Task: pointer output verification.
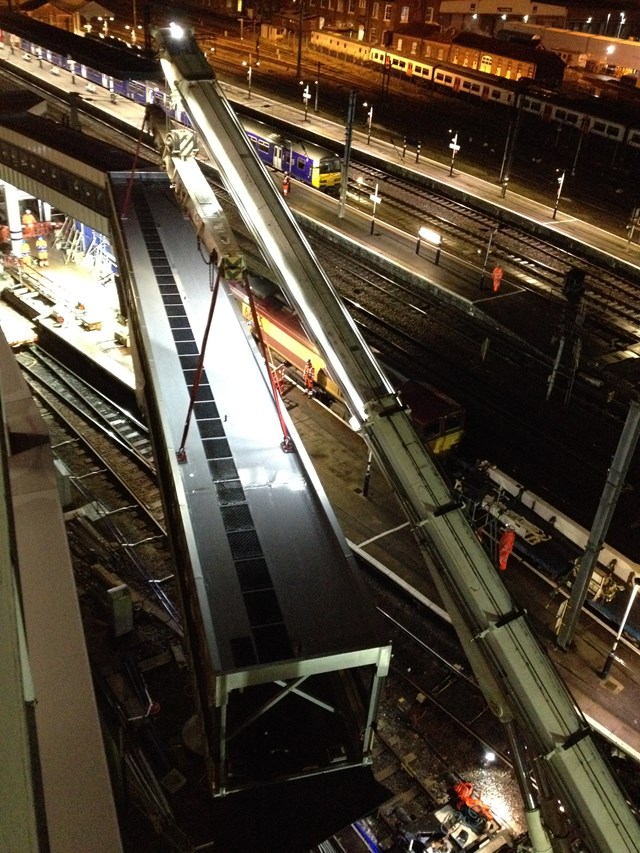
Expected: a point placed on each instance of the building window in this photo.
(428, 18)
(362, 4)
(404, 15)
(373, 35)
(387, 12)
(414, 48)
(352, 7)
(399, 45)
(375, 11)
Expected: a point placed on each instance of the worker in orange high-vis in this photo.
(505, 547)
(28, 222)
(308, 377)
(497, 278)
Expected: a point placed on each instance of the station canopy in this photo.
(118, 62)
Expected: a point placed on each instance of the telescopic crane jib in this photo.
(518, 679)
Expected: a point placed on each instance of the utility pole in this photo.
(604, 514)
(300, 25)
(351, 113)
(512, 137)
(559, 193)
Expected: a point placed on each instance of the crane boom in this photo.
(517, 677)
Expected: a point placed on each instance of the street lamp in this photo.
(431, 237)
(249, 68)
(369, 120)
(560, 185)
(453, 145)
(612, 654)
(316, 83)
(105, 24)
(306, 97)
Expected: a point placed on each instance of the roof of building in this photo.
(123, 64)
(513, 50)
(99, 154)
(423, 31)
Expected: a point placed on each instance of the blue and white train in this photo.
(304, 161)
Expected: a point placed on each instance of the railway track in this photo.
(112, 537)
(44, 370)
(501, 382)
(105, 442)
(613, 306)
(117, 543)
(612, 301)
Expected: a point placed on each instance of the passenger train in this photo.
(616, 123)
(304, 161)
(438, 419)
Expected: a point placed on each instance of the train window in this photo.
(561, 114)
(301, 163)
(466, 85)
(495, 94)
(634, 137)
(263, 146)
(572, 118)
(599, 126)
(612, 130)
(475, 88)
(439, 76)
(329, 165)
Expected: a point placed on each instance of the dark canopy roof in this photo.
(114, 61)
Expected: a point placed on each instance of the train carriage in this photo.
(438, 419)
(304, 161)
